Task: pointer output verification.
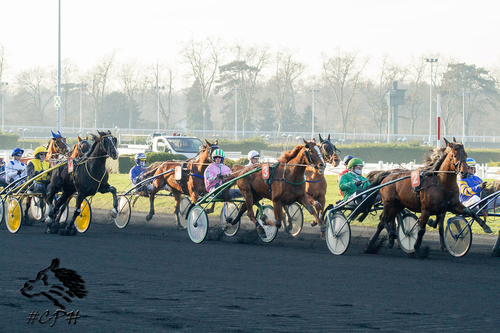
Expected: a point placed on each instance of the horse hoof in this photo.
(390, 244)
(149, 217)
(278, 224)
(323, 235)
(313, 224)
(180, 227)
(114, 213)
(495, 252)
(262, 233)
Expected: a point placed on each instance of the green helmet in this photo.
(353, 162)
(218, 153)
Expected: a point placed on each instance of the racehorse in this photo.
(57, 147)
(287, 184)
(192, 182)
(438, 193)
(88, 177)
(316, 184)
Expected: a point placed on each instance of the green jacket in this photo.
(347, 186)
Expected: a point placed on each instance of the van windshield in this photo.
(185, 145)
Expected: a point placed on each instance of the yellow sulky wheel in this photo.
(14, 215)
(82, 222)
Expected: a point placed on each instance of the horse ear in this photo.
(79, 139)
(314, 139)
(53, 134)
(217, 142)
(454, 140)
(54, 264)
(320, 138)
(305, 142)
(208, 143)
(446, 141)
(59, 133)
(328, 137)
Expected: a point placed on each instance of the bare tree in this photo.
(416, 90)
(343, 73)
(3, 62)
(131, 76)
(203, 58)
(375, 91)
(69, 75)
(164, 75)
(97, 79)
(36, 90)
(286, 72)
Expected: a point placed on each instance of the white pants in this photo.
(492, 205)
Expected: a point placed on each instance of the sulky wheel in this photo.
(197, 224)
(82, 222)
(37, 207)
(338, 235)
(294, 219)
(2, 209)
(407, 231)
(124, 212)
(229, 211)
(271, 231)
(14, 215)
(183, 208)
(457, 236)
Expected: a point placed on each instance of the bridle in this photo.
(310, 161)
(457, 164)
(328, 148)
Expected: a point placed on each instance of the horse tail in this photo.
(375, 178)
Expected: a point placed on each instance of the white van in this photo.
(182, 145)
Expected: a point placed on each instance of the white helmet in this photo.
(252, 154)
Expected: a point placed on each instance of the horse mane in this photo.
(290, 155)
(433, 161)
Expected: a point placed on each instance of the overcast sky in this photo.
(151, 29)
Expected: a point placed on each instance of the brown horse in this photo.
(57, 147)
(438, 194)
(192, 183)
(316, 184)
(82, 146)
(287, 185)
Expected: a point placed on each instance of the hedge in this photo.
(8, 140)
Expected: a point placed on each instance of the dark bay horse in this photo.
(316, 184)
(89, 176)
(438, 194)
(192, 182)
(287, 185)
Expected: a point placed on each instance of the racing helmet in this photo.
(38, 150)
(139, 157)
(17, 152)
(353, 162)
(471, 163)
(218, 153)
(347, 159)
(253, 154)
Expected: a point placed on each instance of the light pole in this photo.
(22, 130)
(312, 120)
(431, 60)
(3, 114)
(59, 71)
(389, 93)
(158, 90)
(236, 112)
(81, 86)
(463, 113)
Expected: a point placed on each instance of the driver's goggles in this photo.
(143, 160)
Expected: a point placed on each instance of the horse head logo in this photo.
(57, 284)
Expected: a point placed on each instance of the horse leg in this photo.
(316, 205)
(371, 248)
(27, 219)
(152, 202)
(440, 221)
(51, 222)
(496, 248)
(68, 229)
(306, 203)
(241, 211)
(424, 217)
(178, 198)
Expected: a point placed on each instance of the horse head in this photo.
(107, 143)
(314, 156)
(458, 157)
(209, 149)
(61, 145)
(329, 151)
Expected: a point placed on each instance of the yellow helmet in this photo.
(39, 150)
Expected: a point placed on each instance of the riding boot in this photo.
(496, 248)
(470, 212)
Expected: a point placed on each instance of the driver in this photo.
(253, 157)
(214, 174)
(36, 166)
(470, 187)
(352, 182)
(15, 169)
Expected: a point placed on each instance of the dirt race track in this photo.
(149, 277)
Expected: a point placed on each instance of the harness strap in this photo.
(315, 181)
